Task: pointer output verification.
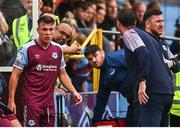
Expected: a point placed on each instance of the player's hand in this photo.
(142, 96)
(75, 47)
(77, 97)
(12, 106)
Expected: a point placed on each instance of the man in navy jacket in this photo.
(113, 77)
(153, 86)
(155, 26)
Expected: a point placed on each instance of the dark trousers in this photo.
(132, 116)
(102, 100)
(174, 120)
(155, 112)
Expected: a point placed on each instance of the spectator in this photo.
(100, 15)
(11, 9)
(22, 26)
(62, 35)
(90, 12)
(153, 5)
(175, 46)
(40, 76)
(3, 24)
(110, 19)
(126, 5)
(63, 7)
(79, 68)
(79, 14)
(49, 7)
(139, 9)
(101, 4)
(70, 19)
(153, 85)
(7, 49)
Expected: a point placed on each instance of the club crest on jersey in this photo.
(31, 123)
(55, 55)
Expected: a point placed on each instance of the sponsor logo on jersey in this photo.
(42, 67)
(39, 67)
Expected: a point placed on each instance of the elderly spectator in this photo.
(139, 9)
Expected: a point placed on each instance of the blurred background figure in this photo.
(22, 26)
(110, 19)
(175, 46)
(101, 3)
(79, 14)
(3, 24)
(90, 11)
(62, 35)
(109, 22)
(100, 16)
(70, 19)
(139, 9)
(7, 48)
(153, 5)
(126, 5)
(11, 10)
(79, 69)
(49, 6)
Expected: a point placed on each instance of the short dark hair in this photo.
(151, 12)
(126, 17)
(91, 49)
(46, 19)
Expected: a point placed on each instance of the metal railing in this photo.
(164, 37)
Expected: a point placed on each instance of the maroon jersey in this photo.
(41, 68)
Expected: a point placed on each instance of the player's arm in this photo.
(12, 88)
(66, 81)
(18, 66)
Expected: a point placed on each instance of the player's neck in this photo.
(44, 45)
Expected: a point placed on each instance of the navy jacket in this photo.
(113, 77)
(146, 62)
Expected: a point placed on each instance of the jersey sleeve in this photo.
(62, 63)
(132, 40)
(21, 59)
